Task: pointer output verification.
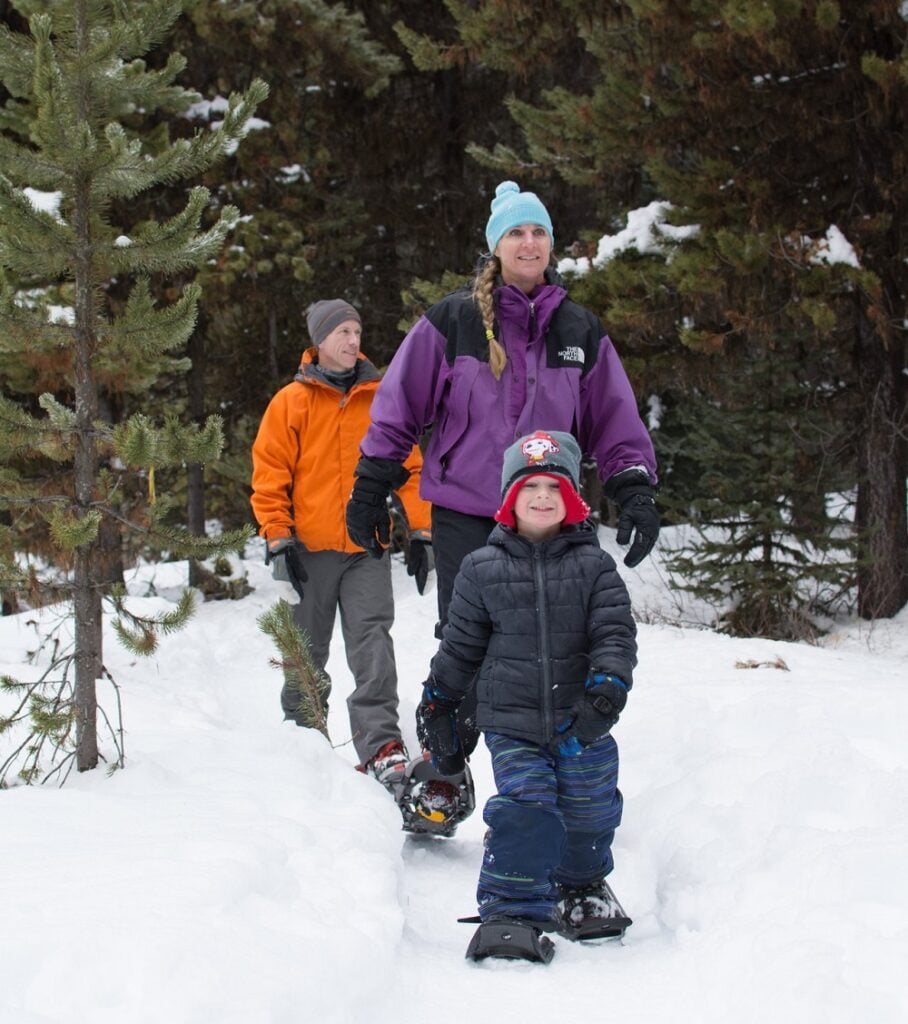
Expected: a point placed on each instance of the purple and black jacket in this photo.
(563, 373)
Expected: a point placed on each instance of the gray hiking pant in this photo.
(359, 586)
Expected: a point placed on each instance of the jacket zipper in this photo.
(548, 716)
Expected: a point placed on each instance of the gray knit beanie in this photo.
(552, 452)
(545, 451)
(323, 316)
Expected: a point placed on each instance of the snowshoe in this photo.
(511, 939)
(432, 803)
(592, 912)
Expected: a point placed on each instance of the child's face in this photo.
(539, 508)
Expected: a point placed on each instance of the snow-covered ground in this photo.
(239, 871)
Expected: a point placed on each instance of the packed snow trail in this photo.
(240, 870)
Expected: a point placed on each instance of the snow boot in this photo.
(432, 803)
(511, 938)
(388, 765)
(592, 912)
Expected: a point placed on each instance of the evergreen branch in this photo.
(17, 61)
(139, 633)
(141, 335)
(31, 238)
(73, 528)
(139, 30)
(153, 90)
(24, 324)
(177, 244)
(300, 671)
(58, 127)
(25, 167)
(24, 434)
(138, 443)
(132, 171)
(182, 543)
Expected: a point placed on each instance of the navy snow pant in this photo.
(551, 823)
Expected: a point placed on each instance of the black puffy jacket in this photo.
(533, 618)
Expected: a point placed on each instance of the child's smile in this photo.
(539, 507)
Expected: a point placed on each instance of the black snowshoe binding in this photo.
(511, 938)
(592, 912)
(432, 803)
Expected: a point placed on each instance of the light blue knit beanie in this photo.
(510, 208)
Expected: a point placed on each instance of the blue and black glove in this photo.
(436, 727)
(635, 497)
(420, 558)
(592, 717)
(285, 556)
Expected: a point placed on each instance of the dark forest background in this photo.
(773, 377)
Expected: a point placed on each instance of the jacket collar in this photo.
(310, 372)
(571, 536)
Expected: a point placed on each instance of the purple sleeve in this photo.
(610, 427)
(406, 400)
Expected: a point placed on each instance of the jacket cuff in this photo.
(386, 471)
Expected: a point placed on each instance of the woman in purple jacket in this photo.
(485, 366)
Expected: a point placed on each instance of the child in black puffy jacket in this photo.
(543, 615)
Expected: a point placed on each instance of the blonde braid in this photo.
(483, 296)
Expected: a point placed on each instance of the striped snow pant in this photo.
(551, 823)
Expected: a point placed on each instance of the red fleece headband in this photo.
(576, 509)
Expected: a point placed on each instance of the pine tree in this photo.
(69, 154)
(778, 130)
(772, 554)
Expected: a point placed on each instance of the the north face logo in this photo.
(571, 354)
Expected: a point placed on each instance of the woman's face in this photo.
(524, 254)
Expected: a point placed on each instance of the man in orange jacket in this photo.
(303, 460)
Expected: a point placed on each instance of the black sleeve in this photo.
(466, 636)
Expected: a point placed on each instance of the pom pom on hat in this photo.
(511, 208)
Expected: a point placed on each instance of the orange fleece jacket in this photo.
(304, 455)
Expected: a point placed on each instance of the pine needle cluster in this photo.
(300, 671)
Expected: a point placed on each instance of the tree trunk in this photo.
(880, 519)
(271, 356)
(195, 471)
(86, 588)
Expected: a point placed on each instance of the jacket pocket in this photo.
(456, 415)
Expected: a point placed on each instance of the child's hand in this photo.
(592, 717)
(436, 727)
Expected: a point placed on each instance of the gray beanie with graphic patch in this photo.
(552, 452)
(544, 451)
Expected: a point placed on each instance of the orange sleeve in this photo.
(274, 457)
(419, 512)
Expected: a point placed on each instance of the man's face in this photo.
(339, 351)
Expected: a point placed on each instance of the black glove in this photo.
(436, 728)
(368, 519)
(285, 556)
(592, 717)
(636, 499)
(420, 559)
